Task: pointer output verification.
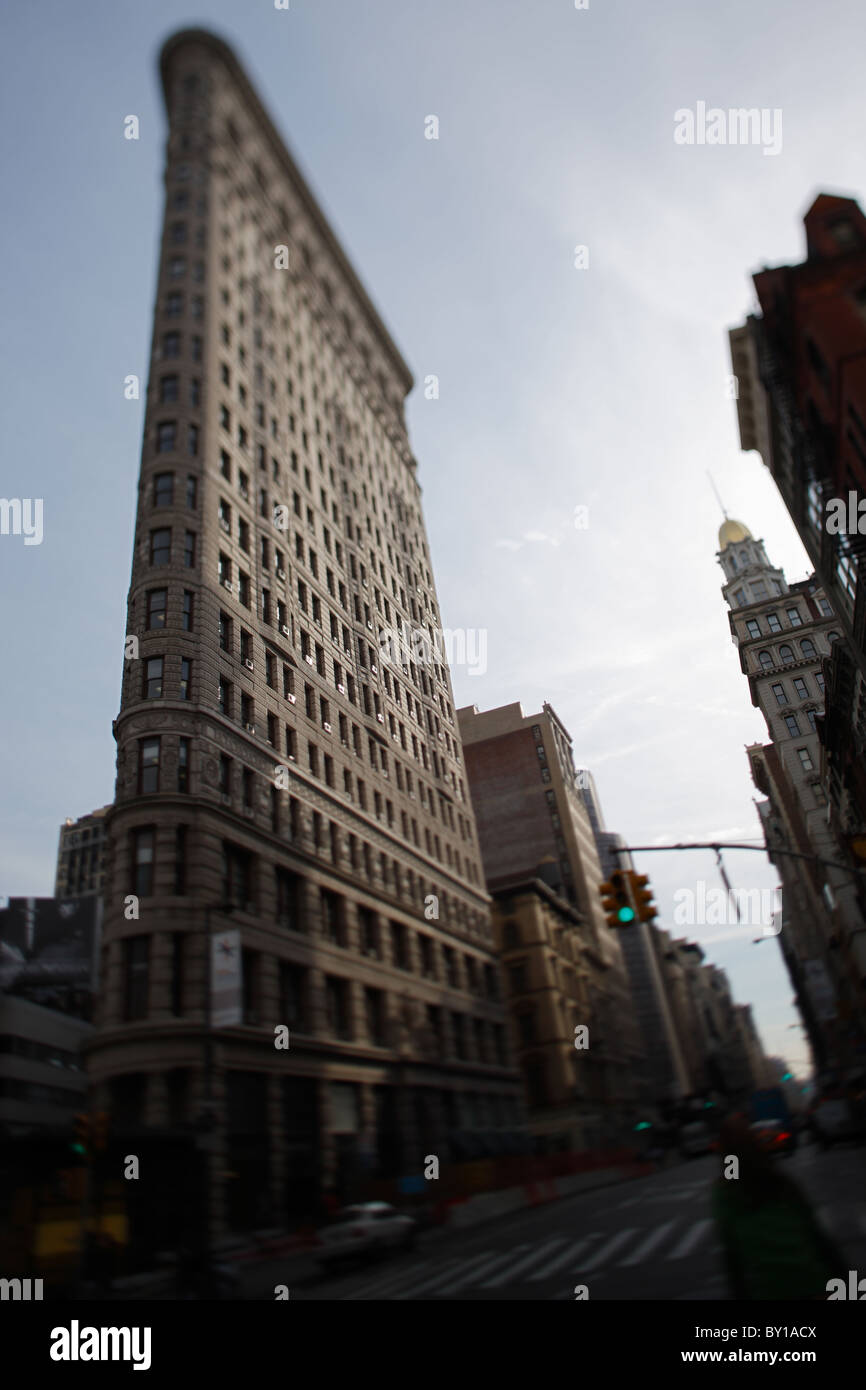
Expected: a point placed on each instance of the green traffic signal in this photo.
(78, 1148)
(625, 914)
(644, 1124)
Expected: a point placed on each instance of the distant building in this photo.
(801, 402)
(757, 1062)
(81, 856)
(42, 1074)
(784, 633)
(721, 1048)
(533, 824)
(663, 1063)
(538, 935)
(49, 952)
(48, 972)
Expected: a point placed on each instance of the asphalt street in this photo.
(650, 1238)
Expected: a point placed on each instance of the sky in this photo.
(593, 379)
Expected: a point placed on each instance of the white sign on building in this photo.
(226, 979)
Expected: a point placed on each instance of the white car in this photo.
(366, 1229)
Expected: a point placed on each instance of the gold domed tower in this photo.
(749, 576)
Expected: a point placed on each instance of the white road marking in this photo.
(511, 1273)
(467, 1274)
(572, 1254)
(653, 1239)
(613, 1244)
(694, 1235)
(394, 1281)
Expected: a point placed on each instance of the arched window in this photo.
(787, 655)
(832, 637)
(733, 560)
(766, 660)
(807, 647)
(744, 557)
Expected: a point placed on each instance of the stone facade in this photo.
(272, 753)
(784, 634)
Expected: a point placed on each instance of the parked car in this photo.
(832, 1120)
(774, 1136)
(364, 1231)
(696, 1138)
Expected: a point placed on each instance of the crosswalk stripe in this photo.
(394, 1281)
(823, 1217)
(458, 1275)
(526, 1263)
(572, 1254)
(693, 1236)
(653, 1239)
(613, 1244)
(455, 1275)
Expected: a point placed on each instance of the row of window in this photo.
(175, 304)
(801, 687)
(166, 436)
(153, 687)
(343, 681)
(242, 874)
(35, 1051)
(786, 655)
(405, 515)
(311, 605)
(150, 781)
(296, 1005)
(756, 592)
(774, 623)
(34, 1093)
(345, 685)
(177, 232)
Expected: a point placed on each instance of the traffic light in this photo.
(642, 897)
(616, 900)
(81, 1141)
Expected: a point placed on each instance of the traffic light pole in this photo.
(84, 1223)
(760, 849)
